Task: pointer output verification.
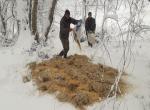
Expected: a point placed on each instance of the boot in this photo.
(90, 44)
(65, 55)
(61, 53)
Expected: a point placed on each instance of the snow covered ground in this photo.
(16, 95)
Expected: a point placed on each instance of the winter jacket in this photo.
(90, 24)
(65, 26)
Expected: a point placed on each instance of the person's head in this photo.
(90, 14)
(67, 14)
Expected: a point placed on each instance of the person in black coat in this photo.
(64, 32)
(90, 25)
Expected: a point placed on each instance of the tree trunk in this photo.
(3, 21)
(51, 14)
(34, 20)
(30, 11)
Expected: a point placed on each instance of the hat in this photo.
(67, 12)
(90, 13)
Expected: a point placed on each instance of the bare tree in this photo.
(9, 22)
(30, 10)
(51, 14)
(34, 20)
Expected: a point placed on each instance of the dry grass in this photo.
(75, 79)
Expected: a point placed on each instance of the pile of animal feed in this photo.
(76, 80)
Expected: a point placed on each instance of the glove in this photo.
(79, 22)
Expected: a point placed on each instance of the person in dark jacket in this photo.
(90, 26)
(64, 32)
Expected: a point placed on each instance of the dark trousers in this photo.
(65, 44)
(87, 39)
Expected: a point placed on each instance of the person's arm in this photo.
(86, 25)
(94, 25)
(73, 21)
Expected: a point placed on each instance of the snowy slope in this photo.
(16, 95)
